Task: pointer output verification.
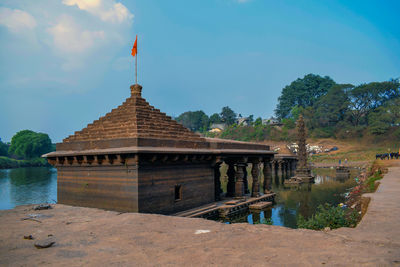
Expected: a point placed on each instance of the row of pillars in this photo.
(287, 167)
(237, 176)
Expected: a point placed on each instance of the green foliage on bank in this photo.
(3, 149)
(372, 179)
(258, 133)
(343, 110)
(25, 150)
(328, 216)
(330, 110)
(28, 144)
(9, 163)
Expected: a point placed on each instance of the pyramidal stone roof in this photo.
(134, 119)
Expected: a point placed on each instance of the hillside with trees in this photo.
(331, 110)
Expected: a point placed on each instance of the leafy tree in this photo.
(228, 115)
(194, 120)
(251, 119)
(258, 122)
(289, 123)
(303, 93)
(332, 107)
(215, 118)
(366, 97)
(383, 117)
(29, 144)
(3, 149)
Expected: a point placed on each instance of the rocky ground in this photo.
(93, 237)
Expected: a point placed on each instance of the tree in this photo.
(332, 107)
(228, 115)
(379, 121)
(29, 144)
(215, 118)
(251, 119)
(303, 93)
(3, 149)
(367, 97)
(258, 122)
(194, 120)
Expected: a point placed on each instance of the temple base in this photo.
(302, 176)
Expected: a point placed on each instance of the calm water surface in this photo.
(27, 186)
(304, 199)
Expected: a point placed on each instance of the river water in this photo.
(39, 185)
(27, 186)
(303, 199)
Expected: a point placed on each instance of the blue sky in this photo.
(64, 63)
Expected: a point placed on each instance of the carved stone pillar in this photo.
(217, 181)
(286, 169)
(230, 188)
(276, 167)
(245, 181)
(255, 190)
(239, 186)
(291, 165)
(267, 171)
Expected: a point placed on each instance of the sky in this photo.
(65, 63)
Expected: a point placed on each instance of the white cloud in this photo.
(16, 20)
(106, 10)
(69, 37)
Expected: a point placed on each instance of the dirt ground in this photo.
(94, 237)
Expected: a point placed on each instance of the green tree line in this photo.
(25, 150)
(330, 109)
(342, 110)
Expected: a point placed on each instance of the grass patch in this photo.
(370, 183)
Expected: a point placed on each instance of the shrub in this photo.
(328, 216)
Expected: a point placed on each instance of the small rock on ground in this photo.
(45, 243)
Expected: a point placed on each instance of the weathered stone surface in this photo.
(303, 171)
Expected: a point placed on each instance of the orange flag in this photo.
(134, 48)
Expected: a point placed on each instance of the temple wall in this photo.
(157, 187)
(105, 187)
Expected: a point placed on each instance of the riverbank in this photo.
(86, 236)
(9, 163)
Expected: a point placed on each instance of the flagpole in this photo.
(136, 67)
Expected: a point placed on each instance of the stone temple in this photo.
(138, 159)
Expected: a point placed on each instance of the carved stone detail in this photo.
(231, 180)
(267, 171)
(255, 172)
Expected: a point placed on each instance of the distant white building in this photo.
(244, 121)
(217, 127)
(272, 121)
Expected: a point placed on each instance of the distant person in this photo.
(340, 162)
(345, 161)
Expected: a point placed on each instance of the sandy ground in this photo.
(93, 237)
